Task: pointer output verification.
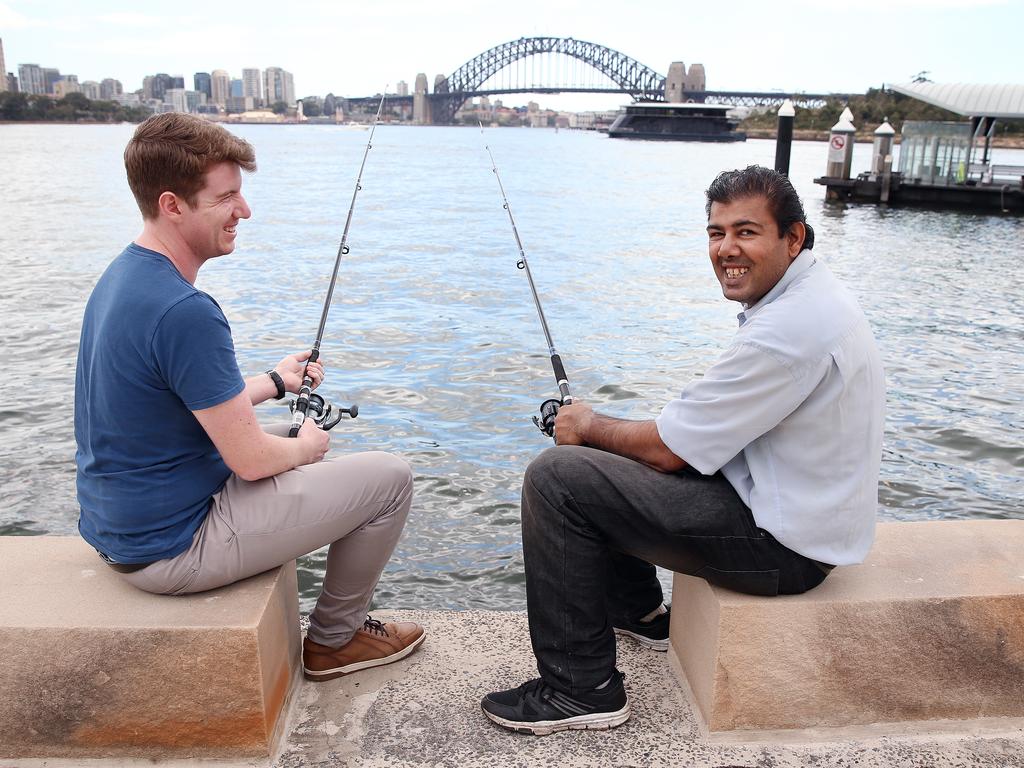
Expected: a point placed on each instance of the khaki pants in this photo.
(357, 504)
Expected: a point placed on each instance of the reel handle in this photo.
(546, 421)
(328, 421)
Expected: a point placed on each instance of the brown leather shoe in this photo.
(372, 645)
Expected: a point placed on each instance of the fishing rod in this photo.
(307, 400)
(549, 408)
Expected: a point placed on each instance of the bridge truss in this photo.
(766, 98)
(627, 75)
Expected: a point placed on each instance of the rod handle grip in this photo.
(559, 369)
(561, 379)
(301, 406)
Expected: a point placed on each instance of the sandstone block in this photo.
(929, 628)
(91, 667)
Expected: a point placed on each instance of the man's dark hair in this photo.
(757, 181)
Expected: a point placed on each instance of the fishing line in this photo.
(549, 408)
(306, 400)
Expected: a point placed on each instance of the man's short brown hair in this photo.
(172, 151)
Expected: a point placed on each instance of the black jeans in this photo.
(594, 526)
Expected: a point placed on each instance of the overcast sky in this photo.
(356, 49)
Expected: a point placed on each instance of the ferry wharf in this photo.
(942, 164)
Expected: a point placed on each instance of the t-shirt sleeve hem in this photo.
(223, 397)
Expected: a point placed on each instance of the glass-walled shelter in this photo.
(935, 152)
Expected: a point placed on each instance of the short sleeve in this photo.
(193, 348)
(742, 396)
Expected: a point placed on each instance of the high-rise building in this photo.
(235, 91)
(177, 81)
(91, 90)
(128, 99)
(220, 87)
(163, 82)
(65, 85)
(202, 83)
(50, 76)
(155, 86)
(271, 84)
(403, 88)
(3, 69)
(278, 85)
(31, 79)
(110, 88)
(182, 100)
(238, 104)
(176, 98)
(289, 88)
(252, 85)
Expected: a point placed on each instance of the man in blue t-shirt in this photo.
(180, 489)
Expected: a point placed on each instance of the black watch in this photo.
(278, 382)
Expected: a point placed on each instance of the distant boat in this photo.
(355, 125)
(677, 122)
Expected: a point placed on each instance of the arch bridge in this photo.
(567, 65)
(545, 65)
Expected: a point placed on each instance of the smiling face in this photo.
(746, 251)
(208, 225)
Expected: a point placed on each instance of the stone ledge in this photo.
(424, 712)
(93, 668)
(930, 629)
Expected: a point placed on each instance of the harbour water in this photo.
(433, 331)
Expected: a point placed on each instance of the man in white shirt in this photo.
(760, 477)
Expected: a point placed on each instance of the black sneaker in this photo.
(535, 707)
(651, 634)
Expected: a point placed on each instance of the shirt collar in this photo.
(804, 261)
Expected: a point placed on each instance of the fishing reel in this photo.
(323, 413)
(546, 421)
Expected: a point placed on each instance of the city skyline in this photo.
(357, 51)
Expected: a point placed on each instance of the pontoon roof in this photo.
(1002, 100)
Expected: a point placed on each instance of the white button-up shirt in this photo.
(792, 414)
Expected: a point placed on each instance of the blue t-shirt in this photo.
(153, 349)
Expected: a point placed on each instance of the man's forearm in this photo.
(271, 456)
(249, 451)
(637, 440)
(260, 388)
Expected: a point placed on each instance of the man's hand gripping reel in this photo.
(549, 408)
(311, 405)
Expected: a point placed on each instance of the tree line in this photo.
(73, 108)
(869, 111)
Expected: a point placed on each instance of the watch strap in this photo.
(278, 382)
